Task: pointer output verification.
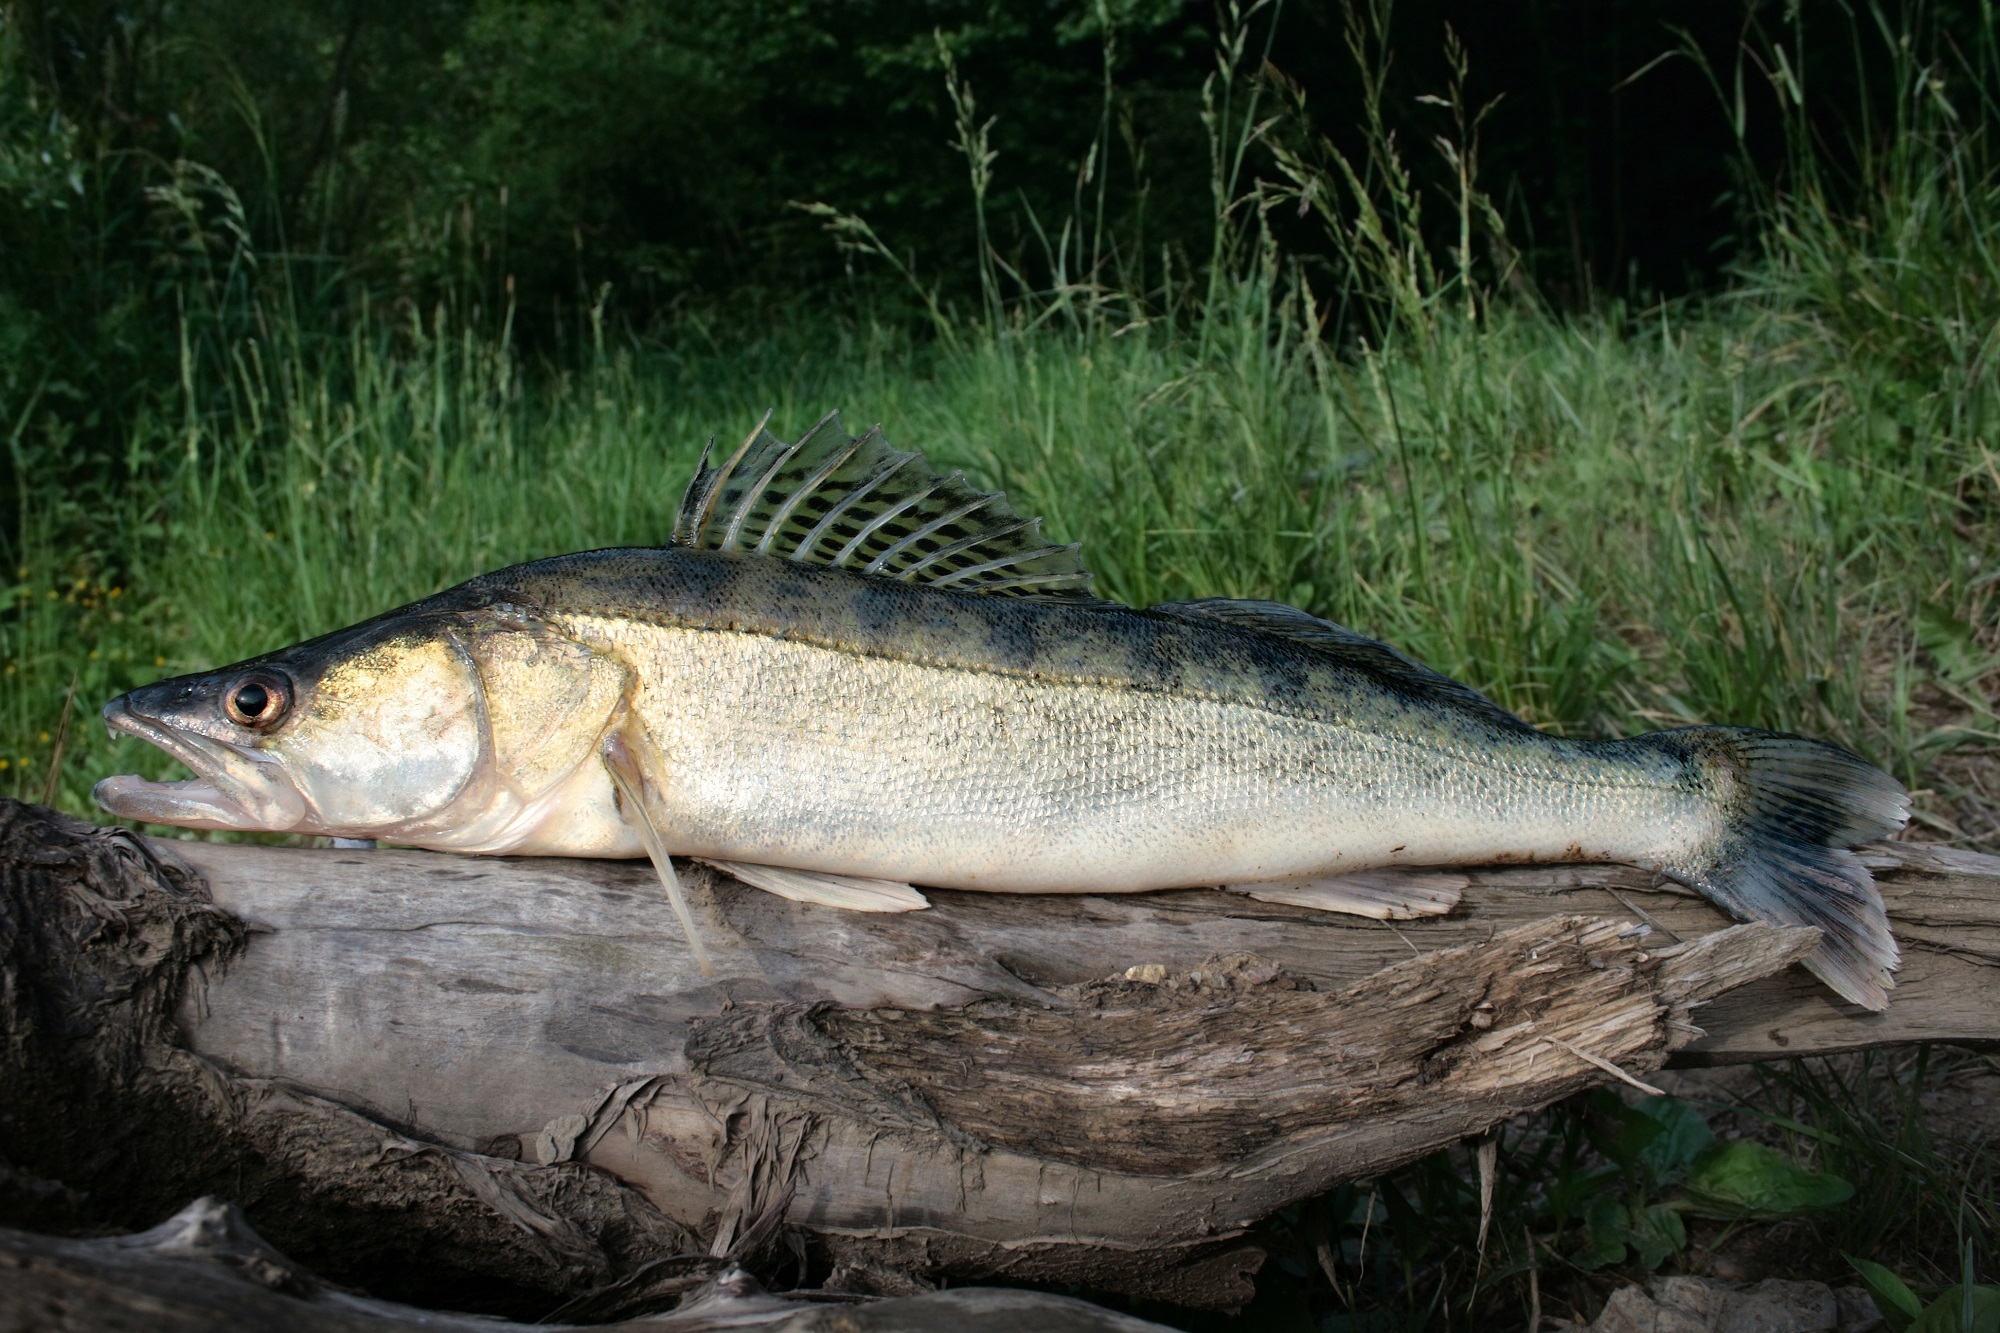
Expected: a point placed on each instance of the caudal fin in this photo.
(1795, 809)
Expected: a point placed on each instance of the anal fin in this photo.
(636, 797)
(1390, 894)
(849, 892)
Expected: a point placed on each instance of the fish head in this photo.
(361, 733)
(442, 729)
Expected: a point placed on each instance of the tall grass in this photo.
(1778, 507)
(1611, 524)
(1762, 509)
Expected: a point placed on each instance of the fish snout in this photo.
(232, 787)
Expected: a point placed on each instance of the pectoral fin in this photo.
(637, 799)
(1386, 895)
(849, 892)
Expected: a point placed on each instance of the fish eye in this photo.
(257, 701)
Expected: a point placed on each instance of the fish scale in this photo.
(849, 675)
(826, 740)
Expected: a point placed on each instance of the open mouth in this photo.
(232, 788)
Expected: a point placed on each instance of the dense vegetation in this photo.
(305, 313)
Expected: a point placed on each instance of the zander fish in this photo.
(848, 675)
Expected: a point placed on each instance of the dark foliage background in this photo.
(532, 161)
(181, 178)
(549, 152)
(310, 307)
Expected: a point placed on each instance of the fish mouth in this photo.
(232, 788)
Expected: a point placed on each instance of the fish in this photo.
(847, 675)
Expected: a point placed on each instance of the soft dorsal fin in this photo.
(1342, 644)
(855, 503)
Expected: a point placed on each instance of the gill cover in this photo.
(388, 737)
(549, 700)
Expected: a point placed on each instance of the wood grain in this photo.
(206, 1269)
(975, 1088)
(1111, 1091)
(411, 982)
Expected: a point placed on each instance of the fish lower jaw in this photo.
(231, 789)
(191, 803)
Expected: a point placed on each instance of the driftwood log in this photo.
(206, 1269)
(504, 1086)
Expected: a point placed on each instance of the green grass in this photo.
(1778, 506)
(1611, 523)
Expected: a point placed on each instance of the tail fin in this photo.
(1795, 807)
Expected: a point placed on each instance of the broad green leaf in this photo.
(1650, 1233)
(1604, 1232)
(1618, 1131)
(1747, 1179)
(1946, 1314)
(1682, 1137)
(1898, 1304)
(1573, 1190)
(1655, 1233)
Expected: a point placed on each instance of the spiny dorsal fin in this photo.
(855, 503)
(1342, 644)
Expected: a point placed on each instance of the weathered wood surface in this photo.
(206, 1269)
(975, 1089)
(413, 981)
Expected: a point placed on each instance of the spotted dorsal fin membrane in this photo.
(1342, 645)
(853, 502)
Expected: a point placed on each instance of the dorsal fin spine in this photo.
(889, 515)
(800, 492)
(749, 501)
(987, 567)
(721, 478)
(949, 517)
(685, 530)
(882, 473)
(1080, 578)
(884, 513)
(966, 543)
